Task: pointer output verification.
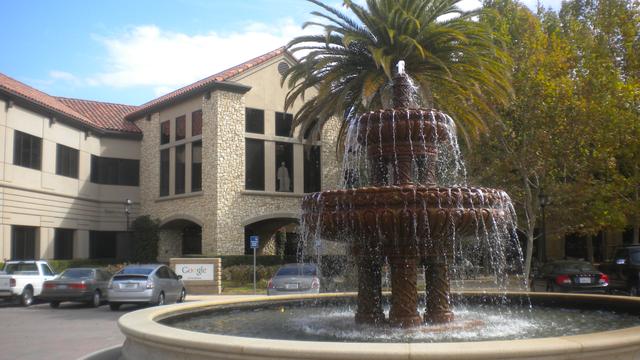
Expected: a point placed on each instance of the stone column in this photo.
(404, 291)
(369, 290)
(81, 244)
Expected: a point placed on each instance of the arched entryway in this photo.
(278, 234)
(180, 236)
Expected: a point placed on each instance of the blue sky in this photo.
(133, 51)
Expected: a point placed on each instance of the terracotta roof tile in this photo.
(106, 116)
(26, 92)
(219, 77)
(103, 116)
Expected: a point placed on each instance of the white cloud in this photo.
(57, 75)
(165, 60)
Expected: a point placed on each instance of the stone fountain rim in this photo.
(145, 334)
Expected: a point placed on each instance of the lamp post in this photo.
(543, 200)
(127, 210)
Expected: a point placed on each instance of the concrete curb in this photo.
(110, 353)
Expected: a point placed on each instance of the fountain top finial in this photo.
(401, 88)
(400, 66)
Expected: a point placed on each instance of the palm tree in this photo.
(456, 61)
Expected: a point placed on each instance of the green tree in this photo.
(145, 239)
(457, 62)
(572, 127)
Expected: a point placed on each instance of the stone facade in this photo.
(223, 208)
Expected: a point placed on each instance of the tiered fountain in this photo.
(400, 206)
(404, 216)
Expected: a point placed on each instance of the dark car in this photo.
(569, 276)
(87, 285)
(624, 270)
(295, 279)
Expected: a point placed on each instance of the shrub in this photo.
(145, 239)
(60, 265)
(242, 274)
(264, 260)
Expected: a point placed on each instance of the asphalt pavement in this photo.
(70, 332)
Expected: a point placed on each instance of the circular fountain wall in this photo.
(149, 336)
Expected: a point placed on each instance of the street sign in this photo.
(254, 240)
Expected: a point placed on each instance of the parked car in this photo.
(23, 279)
(153, 284)
(569, 276)
(87, 285)
(624, 270)
(295, 279)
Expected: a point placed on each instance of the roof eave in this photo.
(229, 86)
(29, 104)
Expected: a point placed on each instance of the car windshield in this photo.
(76, 274)
(575, 267)
(635, 256)
(21, 268)
(304, 270)
(135, 271)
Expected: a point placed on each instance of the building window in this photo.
(283, 124)
(23, 243)
(180, 169)
(192, 240)
(181, 127)
(114, 171)
(196, 123)
(284, 167)
(254, 161)
(173, 157)
(312, 174)
(63, 244)
(67, 161)
(164, 172)
(165, 132)
(254, 121)
(27, 150)
(103, 244)
(196, 166)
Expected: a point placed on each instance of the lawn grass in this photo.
(232, 288)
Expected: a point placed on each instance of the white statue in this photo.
(284, 182)
(400, 67)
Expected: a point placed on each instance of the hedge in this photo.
(263, 260)
(60, 265)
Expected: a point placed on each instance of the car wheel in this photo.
(54, 304)
(633, 290)
(96, 300)
(183, 295)
(160, 301)
(114, 306)
(26, 299)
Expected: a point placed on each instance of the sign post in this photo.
(254, 240)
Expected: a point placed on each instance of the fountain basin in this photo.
(147, 338)
(402, 213)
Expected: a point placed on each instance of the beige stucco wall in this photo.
(224, 207)
(42, 199)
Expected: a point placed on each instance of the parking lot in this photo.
(73, 330)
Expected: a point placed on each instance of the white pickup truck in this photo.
(24, 279)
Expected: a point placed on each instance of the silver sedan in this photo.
(295, 279)
(153, 284)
